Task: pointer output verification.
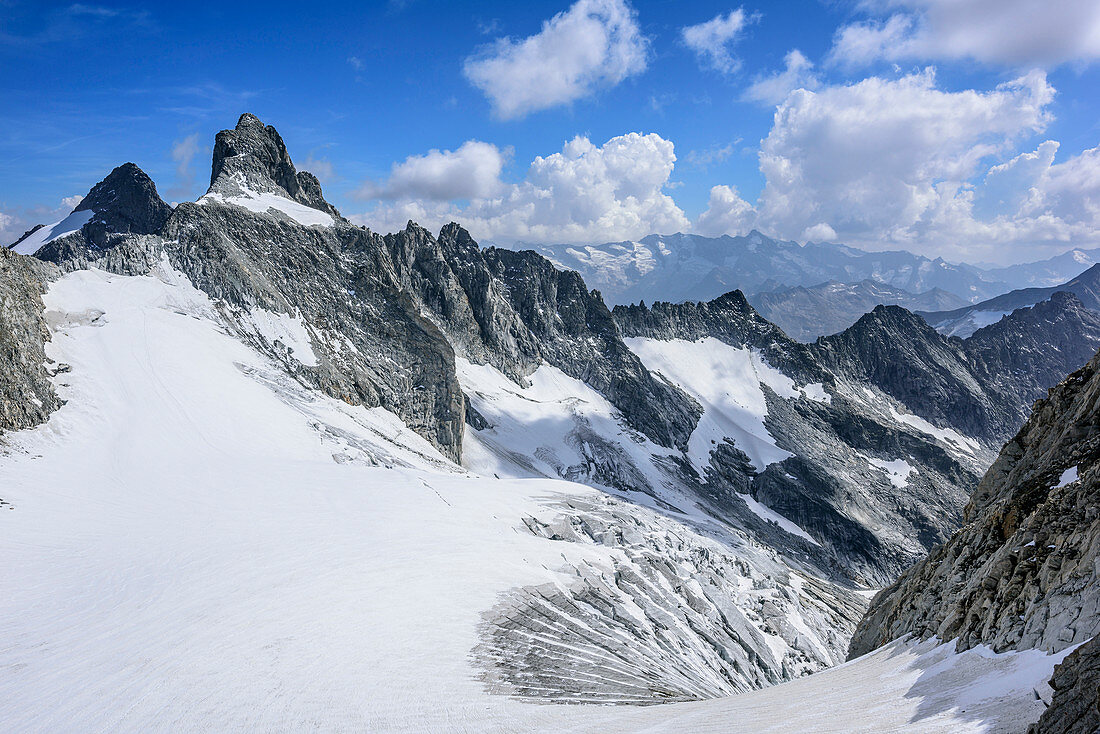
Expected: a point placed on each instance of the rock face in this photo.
(730, 318)
(1022, 572)
(384, 315)
(830, 485)
(26, 395)
(1075, 708)
(1031, 349)
(807, 312)
(126, 202)
(897, 351)
(514, 310)
(982, 386)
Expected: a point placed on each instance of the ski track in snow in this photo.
(195, 542)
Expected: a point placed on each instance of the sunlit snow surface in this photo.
(897, 470)
(262, 202)
(196, 542)
(33, 243)
(727, 382)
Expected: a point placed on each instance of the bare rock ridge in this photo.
(910, 361)
(124, 203)
(1022, 571)
(830, 486)
(965, 320)
(982, 386)
(405, 301)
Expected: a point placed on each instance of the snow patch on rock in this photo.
(898, 470)
(262, 202)
(727, 382)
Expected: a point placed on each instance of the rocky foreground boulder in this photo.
(1075, 708)
(1022, 573)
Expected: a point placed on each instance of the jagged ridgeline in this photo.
(853, 455)
(384, 310)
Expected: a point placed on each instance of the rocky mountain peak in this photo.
(252, 157)
(125, 202)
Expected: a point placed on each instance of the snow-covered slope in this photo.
(50, 232)
(196, 541)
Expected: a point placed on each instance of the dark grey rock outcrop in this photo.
(26, 395)
(1032, 349)
(1022, 572)
(933, 375)
(729, 318)
(405, 302)
(253, 155)
(1075, 707)
(124, 203)
(871, 528)
(962, 321)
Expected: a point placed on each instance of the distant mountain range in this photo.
(680, 267)
(809, 290)
(1053, 271)
(806, 313)
(968, 319)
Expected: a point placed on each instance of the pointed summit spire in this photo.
(253, 158)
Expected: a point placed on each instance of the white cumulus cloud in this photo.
(726, 213)
(472, 171)
(585, 193)
(1017, 33)
(872, 160)
(713, 40)
(773, 89)
(593, 44)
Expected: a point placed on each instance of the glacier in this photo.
(196, 540)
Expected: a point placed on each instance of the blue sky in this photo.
(963, 129)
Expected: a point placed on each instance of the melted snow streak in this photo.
(670, 618)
